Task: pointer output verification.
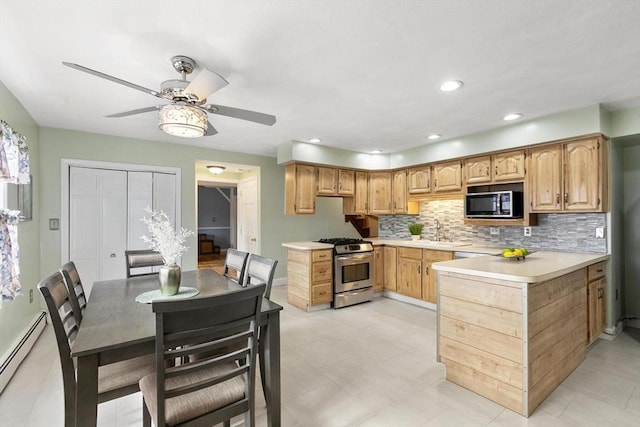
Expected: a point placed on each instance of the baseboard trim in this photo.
(12, 359)
(409, 300)
(279, 281)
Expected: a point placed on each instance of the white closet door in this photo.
(248, 215)
(98, 223)
(164, 194)
(140, 198)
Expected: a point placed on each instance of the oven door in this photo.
(353, 271)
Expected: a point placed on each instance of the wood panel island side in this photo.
(510, 330)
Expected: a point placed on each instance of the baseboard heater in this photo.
(16, 354)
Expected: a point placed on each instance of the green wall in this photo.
(16, 314)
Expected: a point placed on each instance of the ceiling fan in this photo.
(186, 113)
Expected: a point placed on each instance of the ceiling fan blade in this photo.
(238, 113)
(210, 130)
(138, 111)
(113, 79)
(206, 83)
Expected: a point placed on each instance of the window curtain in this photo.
(14, 168)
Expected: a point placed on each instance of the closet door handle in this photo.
(112, 255)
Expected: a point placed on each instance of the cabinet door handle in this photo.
(435, 182)
(488, 171)
(557, 198)
(566, 197)
(496, 170)
(419, 268)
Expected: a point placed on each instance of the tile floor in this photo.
(367, 365)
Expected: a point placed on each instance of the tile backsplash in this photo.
(571, 232)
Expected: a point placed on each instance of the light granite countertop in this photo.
(537, 267)
(420, 244)
(307, 246)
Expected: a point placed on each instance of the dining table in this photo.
(115, 327)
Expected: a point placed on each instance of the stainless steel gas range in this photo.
(352, 271)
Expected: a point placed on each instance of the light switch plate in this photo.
(527, 231)
(599, 232)
(495, 231)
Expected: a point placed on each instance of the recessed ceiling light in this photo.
(434, 136)
(512, 116)
(451, 85)
(376, 151)
(315, 140)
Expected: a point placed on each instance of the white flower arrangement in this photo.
(164, 238)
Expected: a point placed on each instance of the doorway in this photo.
(228, 211)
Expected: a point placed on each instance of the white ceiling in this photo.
(359, 75)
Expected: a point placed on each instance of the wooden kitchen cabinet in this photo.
(346, 182)
(478, 169)
(569, 177)
(300, 189)
(509, 166)
(419, 180)
(409, 272)
(447, 176)
(390, 267)
(596, 289)
(327, 181)
(399, 192)
(378, 266)
(429, 282)
(380, 193)
(309, 277)
(361, 198)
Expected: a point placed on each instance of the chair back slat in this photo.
(236, 260)
(260, 270)
(192, 328)
(75, 289)
(141, 259)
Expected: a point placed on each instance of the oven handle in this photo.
(355, 257)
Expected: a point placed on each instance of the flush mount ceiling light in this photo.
(451, 85)
(512, 116)
(184, 121)
(216, 169)
(434, 136)
(376, 151)
(315, 140)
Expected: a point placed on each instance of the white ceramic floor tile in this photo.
(557, 401)
(538, 419)
(587, 412)
(600, 386)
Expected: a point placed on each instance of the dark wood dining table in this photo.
(115, 327)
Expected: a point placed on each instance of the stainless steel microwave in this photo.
(495, 204)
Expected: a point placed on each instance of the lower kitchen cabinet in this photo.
(429, 287)
(378, 266)
(597, 284)
(409, 272)
(309, 277)
(390, 264)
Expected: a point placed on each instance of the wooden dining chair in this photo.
(114, 380)
(260, 270)
(204, 391)
(140, 259)
(77, 295)
(237, 261)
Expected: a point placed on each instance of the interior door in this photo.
(248, 215)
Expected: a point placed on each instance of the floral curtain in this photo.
(14, 168)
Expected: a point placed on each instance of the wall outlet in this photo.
(527, 231)
(599, 232)
(494, 231)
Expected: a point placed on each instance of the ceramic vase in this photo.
(415, 237)
(169, 279)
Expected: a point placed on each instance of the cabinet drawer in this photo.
(321, 271)
(433, 256)
(321, 255)
(321, 293)
(409, 253)
(596, 271)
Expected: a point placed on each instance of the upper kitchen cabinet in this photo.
(570, 177)
(335, 182)
(358, 205)
(327, 181)
(447, 176)
(300, 189)
(380, 193)
(419, 180)
(399, 192)
(501, 167)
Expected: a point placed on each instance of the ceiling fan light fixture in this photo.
(216, 169)
(183, 121)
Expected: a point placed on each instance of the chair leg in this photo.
(146, 417)
(262, 371)
(226, 423)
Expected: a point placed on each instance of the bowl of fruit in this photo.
(516, 254)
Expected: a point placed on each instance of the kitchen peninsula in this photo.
(511, 330)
